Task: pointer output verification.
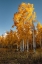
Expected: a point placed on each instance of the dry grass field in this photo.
(8, 56)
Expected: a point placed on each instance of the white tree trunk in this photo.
(34, 44)
(23, 45)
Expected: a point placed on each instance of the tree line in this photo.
(27, 35)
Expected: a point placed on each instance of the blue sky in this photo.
(9, 7)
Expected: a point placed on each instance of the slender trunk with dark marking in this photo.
(34, 44)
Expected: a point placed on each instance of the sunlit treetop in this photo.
(24, 8)
(39, 26)
(25, 14)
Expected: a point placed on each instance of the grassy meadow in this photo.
(9, 56)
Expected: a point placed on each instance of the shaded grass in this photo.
(8, 56)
